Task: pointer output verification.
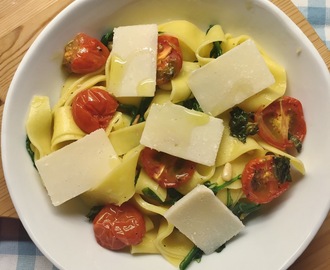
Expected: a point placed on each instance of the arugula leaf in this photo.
(131, 110)
(151, 194)
(239, 124)
(229, 202)
(219, 249)
(137, 113)
(244, 207)
(195, 254)
(144, 105)
(216, 50)
(173, 196)
(192, 104)
(107, 39)
(93, 212)
(216, 188)
(282, 169)
(29, 150)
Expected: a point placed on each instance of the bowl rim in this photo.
(10, 94)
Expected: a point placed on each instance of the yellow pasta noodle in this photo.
(50, 129)
(189, 35)
(180, 90)
(39, 126)
(65, 128)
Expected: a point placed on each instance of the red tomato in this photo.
(169, 171)
(116, 227)
(85, 54)
(169, 59)
(260, 182)
(93, 109)
(282, 123)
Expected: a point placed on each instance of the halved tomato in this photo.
(169, 58)
(169, 171)
(93, 109)
(266, 178)
(282, 123)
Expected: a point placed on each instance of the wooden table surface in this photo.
(20, 23)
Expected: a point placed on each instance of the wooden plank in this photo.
(298, 18)
(16, 36)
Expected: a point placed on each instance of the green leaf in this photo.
(29, 150)
(239, 124)
(151, 194)
(107, 38)
(244, 207)
(229, 202)
(93, 212)
(128, 109)
(144, 105)
(216, 188)
(282, 169)
(137, 113)
(192, 104)
(216, 50)
(219, 249)
(195, 254)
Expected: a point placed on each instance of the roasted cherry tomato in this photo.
(266, 178)
(116, 227)
(169, 171)
(282, 123)
(169, 59)
(93, 109)
(85, 54)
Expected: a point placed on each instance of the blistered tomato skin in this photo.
(169, 59)
(116, 227)
(167, 170)
(85, 54)
(259, 181)
(93, 109)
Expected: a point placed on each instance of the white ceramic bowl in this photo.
(273, 239)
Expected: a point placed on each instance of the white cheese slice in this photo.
(230, 79)
(77, 167)
(134, 61)
(184, 133)
(204, 219)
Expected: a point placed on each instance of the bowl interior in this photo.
(280, 233)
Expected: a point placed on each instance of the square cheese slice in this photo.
(230, 79)
(204, 219)
(184, 133)
(134, 61)
(77, 167)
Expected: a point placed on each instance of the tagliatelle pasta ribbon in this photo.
(39, 126)
(51, 129)
(65, 128)
(189, 35)
(214, 34)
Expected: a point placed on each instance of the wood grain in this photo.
(20, 23)
(291, 11)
